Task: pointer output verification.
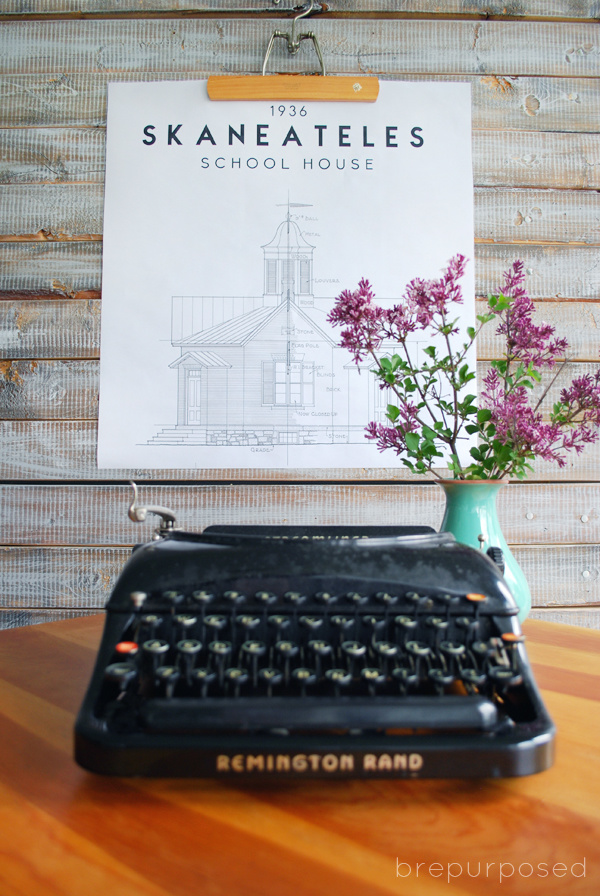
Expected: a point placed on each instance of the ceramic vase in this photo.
(471, 516)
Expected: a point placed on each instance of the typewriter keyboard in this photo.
(285, 661)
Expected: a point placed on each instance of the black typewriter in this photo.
(311, 651)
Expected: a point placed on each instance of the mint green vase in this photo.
(472, 517)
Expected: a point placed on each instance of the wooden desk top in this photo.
(66, 831)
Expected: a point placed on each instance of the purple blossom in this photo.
(525, 341)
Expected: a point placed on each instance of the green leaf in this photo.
(483, 415)
(412, 440)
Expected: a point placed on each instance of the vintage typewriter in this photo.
(287, 651)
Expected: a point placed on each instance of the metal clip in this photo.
(294, 40)
(138, 514)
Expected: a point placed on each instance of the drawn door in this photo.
(193, 395)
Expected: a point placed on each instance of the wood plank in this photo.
(501, 158)
(49, 389)
(375, 47)
(530, 513)
(561, 9)
(10, 619)
(67, 269)
(42, 327)
(68, 390)
(49, 212)
(575, 617)
(62, 98)
(34, 450)
(81, 578)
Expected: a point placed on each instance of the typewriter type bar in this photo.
(316, 652)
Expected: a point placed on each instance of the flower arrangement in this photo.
(431, 409)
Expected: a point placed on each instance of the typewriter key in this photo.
(472, 679)
(342, 623)
(202, 678)
(234, 597)
(374, 623)
(295, 598)
(265, 597)
(237, 678)
(120, 674)
(167, 676)
(387, 651)
(405, 678)
(248, 622)
(504, 676)
(312, 623)
(138, 599)
(340, 678)
(354, 597)
(511, 642)
(172, 597)
(373, 678)
(216, 623)
(286, 650)
(324, 597)
(353, 651)
(304, 677)
(387, 599)
(320, 649)
(406, 624)
(151, 622)
(127, 648)
(203, 597)
(279, 623)
(220, 651)
(271, 678)
(441, 679)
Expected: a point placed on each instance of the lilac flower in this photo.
(431, 410)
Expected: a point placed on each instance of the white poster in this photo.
(229, 230)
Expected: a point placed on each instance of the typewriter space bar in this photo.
(318, 713)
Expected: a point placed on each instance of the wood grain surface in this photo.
(533, 68)
(67, 832)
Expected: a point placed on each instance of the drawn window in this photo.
(288, 384)
(271, 277)
(304, 276)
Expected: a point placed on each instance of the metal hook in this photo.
(294, 40)
(138, 514)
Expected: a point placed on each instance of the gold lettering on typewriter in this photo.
(387, 762)
(284, 762)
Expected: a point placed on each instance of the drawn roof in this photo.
(288, 236)
(241, 330)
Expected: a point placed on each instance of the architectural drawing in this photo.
(266, 370)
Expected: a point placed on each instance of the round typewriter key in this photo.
(340, 678)
(354, 649)
(254, 648)
(385, 649)
(185, 621)
(265, 597)
(476, 598)
(203, 597)
(319, 649)
(121, 674)
(287, 648)
(304, 677)
(505, 676)
(220, 648)
(189, 647)
(127, 648)
(472, 678)
(413, 597)
(418, 648)
(155, 647)
(406, 624)
(248, 622)
(237, 678)
(294, 597)
(167, 677)
(279, 623)
(324, 597)
(312, 623)
(343, 623)
(387, 599)
(271, 678)
(234, 597)
(217, 623)
(151, 621)
(375, 623)
(373, 678)
(138, 599)
(405, 679)
(203, 677)
(440, 678)
(355, 598)
(173, 597)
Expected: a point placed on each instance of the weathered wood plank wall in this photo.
(533, 66)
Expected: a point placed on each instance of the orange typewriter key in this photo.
(476, 597)
(511, 638)
(128, 648)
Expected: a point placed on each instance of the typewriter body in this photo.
(284, 652)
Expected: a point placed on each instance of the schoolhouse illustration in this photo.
(267, 370)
